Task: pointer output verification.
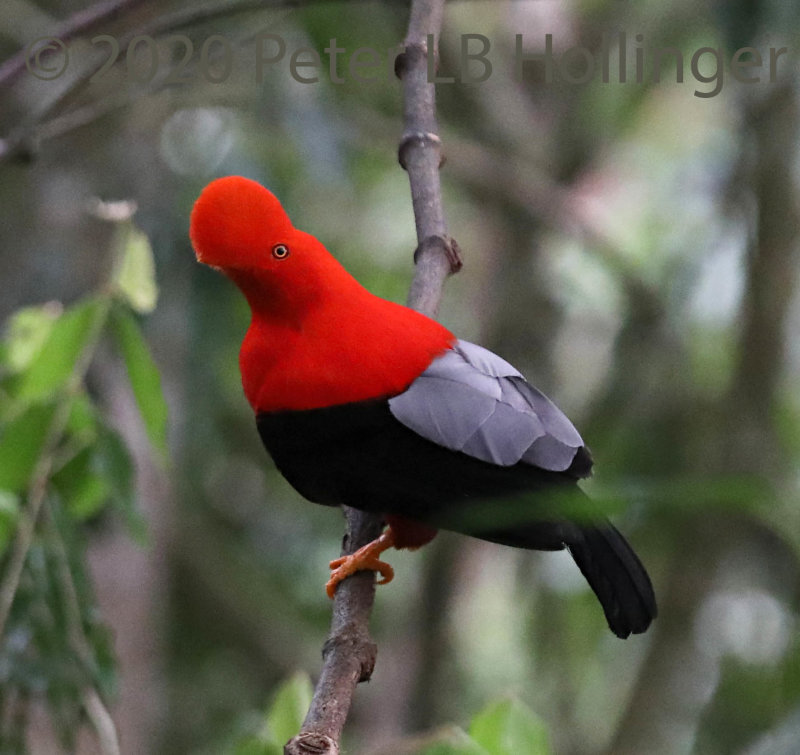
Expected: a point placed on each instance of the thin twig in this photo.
(79, 23)
(349, 653)
(101, 721)
(23, 538)
(95, 708)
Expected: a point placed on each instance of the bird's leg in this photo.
(364, 559)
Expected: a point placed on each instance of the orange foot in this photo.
(364, 559)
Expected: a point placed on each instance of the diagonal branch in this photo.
(349, 653)
(81, 22)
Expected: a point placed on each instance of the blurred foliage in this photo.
(631, 247)
(280, 723)
(59, 453)
(505, 727)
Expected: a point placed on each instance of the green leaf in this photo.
(54, 363)
(9, 512)
(115, 463)
(21, 443)
(143, 375)
(83, 490)
(508, 727)
(282, 721)
(82, 422)
(286, 714)
(136, 278)
(257, 745)
(452, 741)
(98, 469)
(27, 332)
(255, 739)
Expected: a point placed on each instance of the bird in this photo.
(367, 403)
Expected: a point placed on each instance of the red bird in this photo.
(368, 403)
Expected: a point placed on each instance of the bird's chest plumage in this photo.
(331, 358)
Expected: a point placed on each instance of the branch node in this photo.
(401, 64)
(420, 139)
(446, 245)
(311, 743)
(413, 52)
(353, 641)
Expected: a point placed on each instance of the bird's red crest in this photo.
(229, 221)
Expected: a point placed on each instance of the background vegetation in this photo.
(632, 247)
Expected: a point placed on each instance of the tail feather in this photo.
(617, 577)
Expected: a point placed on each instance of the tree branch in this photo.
(349, 652)
(79, 23)
(420, 153)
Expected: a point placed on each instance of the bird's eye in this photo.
(280, 251)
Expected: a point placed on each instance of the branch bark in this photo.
(349, 653)
(420, 153)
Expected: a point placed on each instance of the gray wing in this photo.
(471, 400)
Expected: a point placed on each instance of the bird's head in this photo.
(240, 228)
(237, 224)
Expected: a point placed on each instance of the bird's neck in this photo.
(278, 305)
(352, 347)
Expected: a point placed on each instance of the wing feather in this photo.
(471, 400)
(506, 434)
(433, 407)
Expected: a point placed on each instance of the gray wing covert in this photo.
(471, 400)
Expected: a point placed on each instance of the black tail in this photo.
(617, 577)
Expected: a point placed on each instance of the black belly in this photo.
(361, 456)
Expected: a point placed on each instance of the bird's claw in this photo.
(345, 566)
(364, 559)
